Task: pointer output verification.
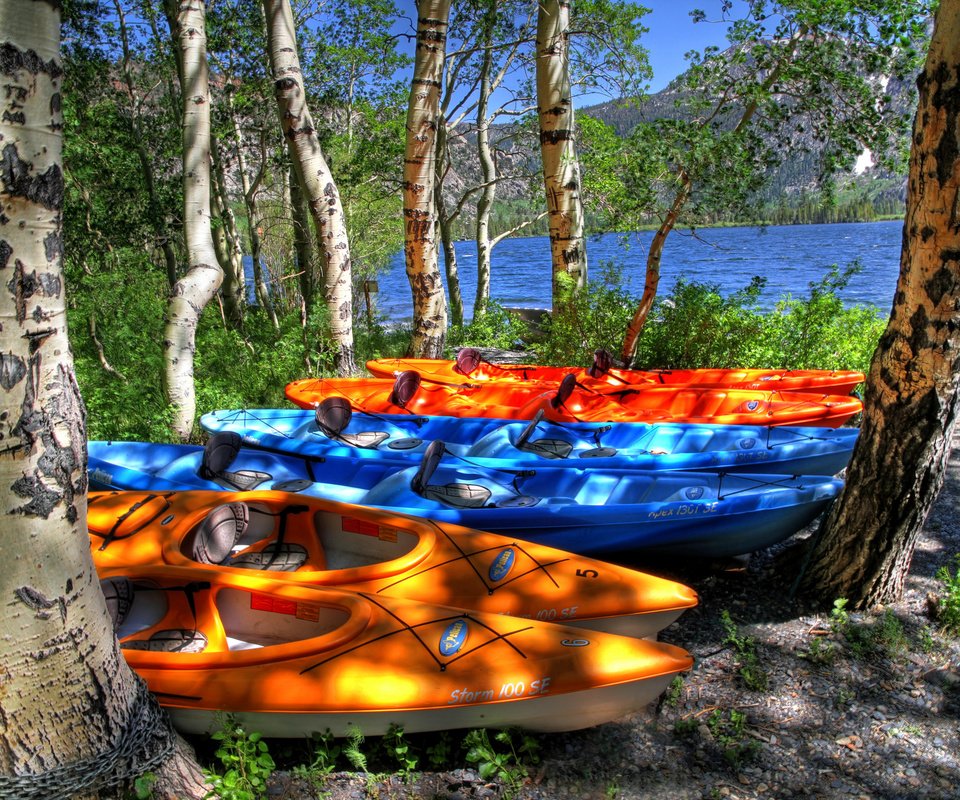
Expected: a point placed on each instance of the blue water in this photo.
(790, 257)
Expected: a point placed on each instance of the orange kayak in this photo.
(569, 402)
(471, 367)
(289, 659)
(310, 541)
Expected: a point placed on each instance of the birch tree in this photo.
(74, 719)
(864, 549)
(561, 169)
(314, 177)
(419, 176)
(199, 285)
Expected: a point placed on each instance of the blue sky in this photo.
(673, 33)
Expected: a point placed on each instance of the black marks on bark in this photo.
(17, 175)
(919, 322)
(419, 224)
(943, 282)
(426, 82)
(13, 59)
(12, 370)
(556, 136)
(5, 252)
(41, 499)
(53, 247)
(946, 98)
(34, 600)
(23, 286)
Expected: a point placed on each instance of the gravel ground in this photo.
(870, 713)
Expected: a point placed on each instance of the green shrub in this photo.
(247, 764)
(497, 327)
(948, 614)
(598, 319)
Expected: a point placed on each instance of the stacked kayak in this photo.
(470, 367)
(332, 429)
(289, 659)
(588, 511)
(569, 402)
(311, 541)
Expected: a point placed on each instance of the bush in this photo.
(497, 327)
(598, 319)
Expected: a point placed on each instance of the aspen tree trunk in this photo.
(628, 350)
(203, 277)
(74, 718)
(314, 178)
(488, 169)
(561, 168)
(226, 242)
(419, 174)
(864, 549)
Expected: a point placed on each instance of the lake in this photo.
(790, 257)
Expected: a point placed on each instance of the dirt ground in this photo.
(838, 705)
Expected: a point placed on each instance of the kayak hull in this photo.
(587, 511)
(295, 660)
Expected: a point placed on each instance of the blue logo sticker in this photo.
(502, 564)
(749, 443)
(453, 638)
(694, 493)
(753, 405)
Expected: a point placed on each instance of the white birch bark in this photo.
(419, 174)
(488, 172)
(199, 285)
(561, 167)
(69, 705)
(316, 180)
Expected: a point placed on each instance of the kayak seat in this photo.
(284, 557)
(458, 495)
(118, 592)
(333, 415)
(244, 480)
(547, 448)
(213, 541)
(174, 640)
(367, 440)
(219, 453)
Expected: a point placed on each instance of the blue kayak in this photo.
(335, 430)
(588, 511)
